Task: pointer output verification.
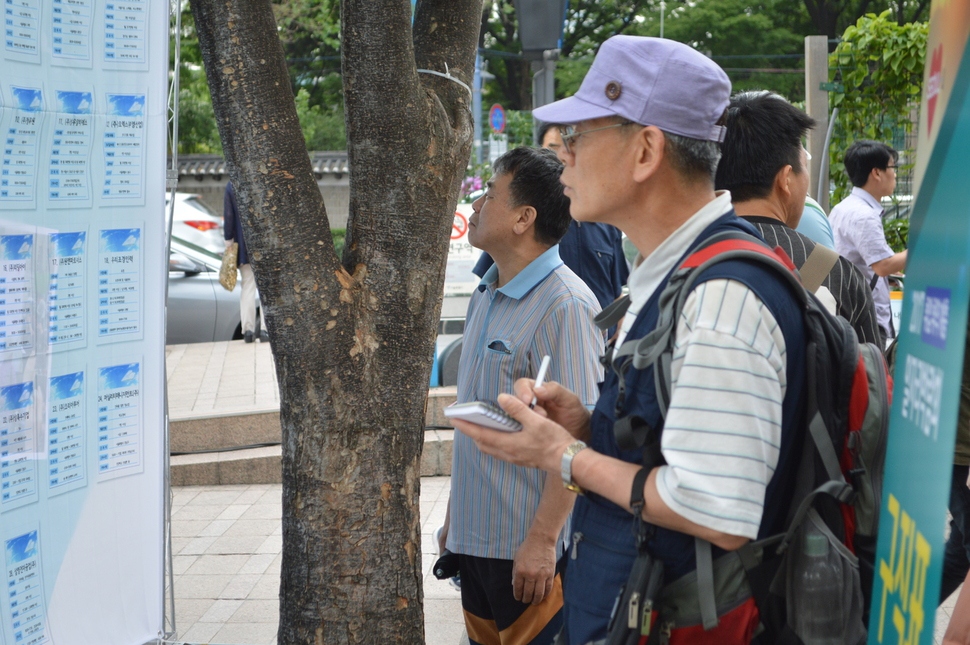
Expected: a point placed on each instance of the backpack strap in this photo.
(823, 444)
(705, 583)
(656, 348)
(817, 266)
(612, 313)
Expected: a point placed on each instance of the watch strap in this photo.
(566, 466)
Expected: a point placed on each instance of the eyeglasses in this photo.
(891, 167)
(569, 134)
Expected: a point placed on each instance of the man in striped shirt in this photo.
(507, 523)
(641, 154)
(765, 167)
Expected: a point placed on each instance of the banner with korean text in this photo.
(83, 110)
(929, 362)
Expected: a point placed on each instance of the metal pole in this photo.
(549, 58)
(817, 107)
(823, 190)
(663, 10)
(477, 108)
(168, 576)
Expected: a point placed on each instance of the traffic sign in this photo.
(460, 226)
(496, 119)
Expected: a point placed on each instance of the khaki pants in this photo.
(247, 301)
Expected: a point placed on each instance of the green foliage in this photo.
(309, 30)
(757, 42)
(198, 132)
(323, 127)
(570, 73)
(897, 233)
(878, 67)
(518, 126)
(310, 34)
(339, 236)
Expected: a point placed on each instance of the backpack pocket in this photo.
(681, 622)
(823, 593)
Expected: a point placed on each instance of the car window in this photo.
(177, 241)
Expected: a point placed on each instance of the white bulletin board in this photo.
(83, 110)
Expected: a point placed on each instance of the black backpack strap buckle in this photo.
(637, 502)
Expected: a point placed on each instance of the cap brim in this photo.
(571, 110)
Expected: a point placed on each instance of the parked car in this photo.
(196, 223)
(199, 308)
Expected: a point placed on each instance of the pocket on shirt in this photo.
(603, 251)
(500, 347)
(497, 368)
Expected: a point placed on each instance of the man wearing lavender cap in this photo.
(640, 153)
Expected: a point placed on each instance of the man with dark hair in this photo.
(765, 167)
(857, 222)
(640, 153)
(548, 136)
(593, 251)
(507, 523)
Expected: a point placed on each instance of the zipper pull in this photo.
(665, 633)
(646, 619)
(633, 611)
(577, 538)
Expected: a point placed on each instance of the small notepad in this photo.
(483, 414)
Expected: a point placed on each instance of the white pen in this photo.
(540, 377)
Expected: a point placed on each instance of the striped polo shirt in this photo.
(544, 309)
(722, 431)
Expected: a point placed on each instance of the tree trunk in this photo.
(352, 340)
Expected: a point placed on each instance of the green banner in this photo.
(926, 395)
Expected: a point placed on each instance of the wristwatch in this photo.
(566, 466)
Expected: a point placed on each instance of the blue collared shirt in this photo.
(594, 252)
(544, 309)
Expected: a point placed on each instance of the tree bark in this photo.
(352, 339)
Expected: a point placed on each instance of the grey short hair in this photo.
(693, 158)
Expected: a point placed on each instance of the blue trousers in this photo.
(956, 557)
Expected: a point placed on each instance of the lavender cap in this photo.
(651, 81)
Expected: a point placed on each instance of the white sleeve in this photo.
(722, 433)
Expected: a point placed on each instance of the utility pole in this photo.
(477, 107)
(817, 107)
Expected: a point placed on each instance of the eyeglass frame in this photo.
(568, 133)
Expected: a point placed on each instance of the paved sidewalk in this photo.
(227, 540)
(227, 544)
(216, 379)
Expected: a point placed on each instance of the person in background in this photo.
(247, 299)
(815, 224)
(956, 556)
(857, 222)
(765, 167)
(594, 251)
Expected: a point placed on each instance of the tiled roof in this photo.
(200, 166)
